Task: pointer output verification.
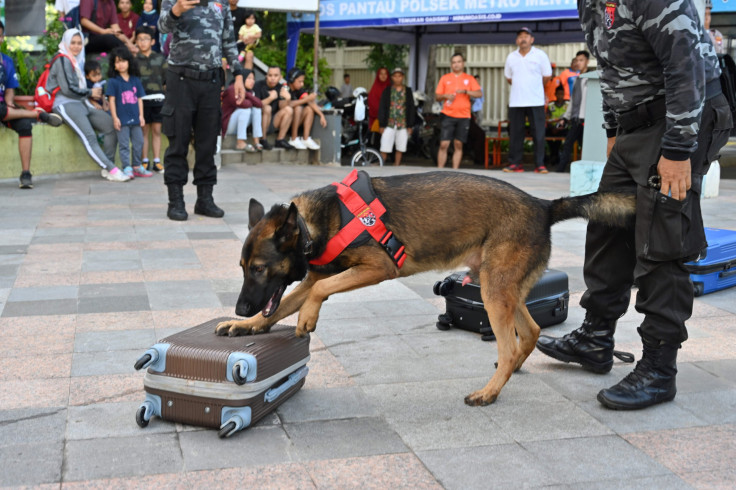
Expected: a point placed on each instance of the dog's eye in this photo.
(257, 269)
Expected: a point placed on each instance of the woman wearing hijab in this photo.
(67, 73)
(381, 83)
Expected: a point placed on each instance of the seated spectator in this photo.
(68, 12)
(236, 117)
(127, 19)
(396, 114)
(93, 74)
(556, 126)
(152, 66)
(305, 110)
(249, 35)
(71, 104)
(17, 119)
(99, 20)
(275, 97)
(149, 18)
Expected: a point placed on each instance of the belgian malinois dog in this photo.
(445, 220)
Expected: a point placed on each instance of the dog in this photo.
(445, 220)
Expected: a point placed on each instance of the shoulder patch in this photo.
(610, 16)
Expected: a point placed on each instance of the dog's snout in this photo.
(246, 310)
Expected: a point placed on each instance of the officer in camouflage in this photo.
(202, 35)
(666, 119)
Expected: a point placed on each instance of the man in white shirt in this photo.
(527, 70)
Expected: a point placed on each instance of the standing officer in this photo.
(202, 36)
(665, 112)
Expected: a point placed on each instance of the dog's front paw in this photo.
(480, 398)
(233, 328)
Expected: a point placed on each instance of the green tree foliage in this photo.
(387, 55)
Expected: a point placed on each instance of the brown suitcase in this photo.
(198, 378)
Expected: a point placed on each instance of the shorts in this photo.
(454, 128)
(21, 126)
(152, 112)
(393, 136)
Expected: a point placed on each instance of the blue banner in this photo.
(723, 6)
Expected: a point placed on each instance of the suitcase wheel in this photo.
(227, 430)
(144, 359)
(140, 417)
(698, 288)
(443, 288)
(238, 374)
(444, 322)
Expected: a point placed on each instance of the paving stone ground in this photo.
(92, 273)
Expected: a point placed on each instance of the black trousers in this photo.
(191, 110)
(575, 133)
(102, 43)
(664, 234)
(517, 133)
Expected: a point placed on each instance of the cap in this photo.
(708, 4)
(398, 69)
(524, 29)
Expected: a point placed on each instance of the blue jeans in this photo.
(126, 136)
(241, 118)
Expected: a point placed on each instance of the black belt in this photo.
(195, 74)
(643, 115)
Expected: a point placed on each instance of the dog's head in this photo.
(272, 258)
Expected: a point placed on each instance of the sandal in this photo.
(249, 148)
(259, 147)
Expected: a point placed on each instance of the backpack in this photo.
(71, 19)
(43, 98)
(728, 83)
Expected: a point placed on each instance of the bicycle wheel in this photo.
(367, 157)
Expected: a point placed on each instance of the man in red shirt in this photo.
(454, 91)
(100, 24)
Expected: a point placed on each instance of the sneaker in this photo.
(298, 144)
(541, 170)
(25, 180)
(128, 171)
(283, 144)
(52, 119)
(311, 144)
(114, 175)
(266, 145)
(516, 168)
(157, 166)
(141, 171)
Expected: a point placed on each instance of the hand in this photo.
(675, 177)
(450, 97)
(143, 121)
(97, 92)
(609, 145)
(322, 121)
(409, 131)
(116, 123)
(182, 6)
(272, 95)
(461, 91)
(239, 88)
(380, 130)
(311, 97)
(285, 93)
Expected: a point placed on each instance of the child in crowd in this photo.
(127, 19)
(152, 67)
(249, 35)
(149, 18)
(93, 74)
(305, 111)
(125, 90)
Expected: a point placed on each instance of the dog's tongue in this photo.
(273, 303)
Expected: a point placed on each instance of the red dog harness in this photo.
(366, 218)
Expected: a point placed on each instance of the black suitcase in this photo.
(547, 303)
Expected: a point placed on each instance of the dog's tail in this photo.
(610, 208)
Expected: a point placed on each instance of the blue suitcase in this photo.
(716, 268)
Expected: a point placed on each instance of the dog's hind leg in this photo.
(528, 332)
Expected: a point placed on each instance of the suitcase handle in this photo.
(726, 274)
(292, 380)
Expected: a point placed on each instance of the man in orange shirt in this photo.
(454, 91)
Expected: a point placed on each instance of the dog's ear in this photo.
(290, 228)
(255, 213)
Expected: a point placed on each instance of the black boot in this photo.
(651, 382)
(205, 204)
(177, 211)
(591, 345)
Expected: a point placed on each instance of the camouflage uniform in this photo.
(201, 37)
(661, 97)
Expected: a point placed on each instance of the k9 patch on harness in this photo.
(610, 15)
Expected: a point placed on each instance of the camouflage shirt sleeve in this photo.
(646, 50)
(202, 36)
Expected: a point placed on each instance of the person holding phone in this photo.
(202, 34)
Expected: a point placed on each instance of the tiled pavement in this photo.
(92, 273)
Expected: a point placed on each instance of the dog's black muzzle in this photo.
(246, 310)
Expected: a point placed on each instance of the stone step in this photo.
(230, 155)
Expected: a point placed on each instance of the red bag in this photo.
(43, 98)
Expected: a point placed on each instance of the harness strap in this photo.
(366, 218)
